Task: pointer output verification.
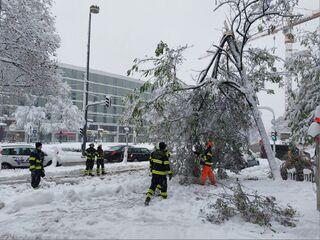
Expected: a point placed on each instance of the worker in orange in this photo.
(207, 165)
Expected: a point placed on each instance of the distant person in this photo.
(207, 165)
(100, 160)
(91, 155)
(36, 165)
(160, 168)
(263, 153)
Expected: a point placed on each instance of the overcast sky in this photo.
(129, 29)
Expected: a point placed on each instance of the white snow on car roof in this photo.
(15, 145)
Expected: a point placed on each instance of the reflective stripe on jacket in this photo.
(99, 154)
(159, 162)
(207, 157)
(90, 153)
(36, 160)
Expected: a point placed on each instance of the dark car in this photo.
(281, 151)
(135, 154)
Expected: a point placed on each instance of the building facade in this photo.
(103, 122)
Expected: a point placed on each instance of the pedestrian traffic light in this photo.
(108, 101)
(274, 135)
(81, 131)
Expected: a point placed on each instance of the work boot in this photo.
(146, 202)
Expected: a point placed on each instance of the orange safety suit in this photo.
(207, 168)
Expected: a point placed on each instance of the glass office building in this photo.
(103, 121)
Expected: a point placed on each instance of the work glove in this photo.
(170, 176)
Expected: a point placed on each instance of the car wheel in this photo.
(6, 166)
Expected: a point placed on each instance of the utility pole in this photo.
(93, 9)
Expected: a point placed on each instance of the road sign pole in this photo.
(274, 148)
(317, 173)
(314, 131)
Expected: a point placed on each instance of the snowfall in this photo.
(71, 206)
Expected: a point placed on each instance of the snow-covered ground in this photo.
(112, 207)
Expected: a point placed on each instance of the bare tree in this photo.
(222, 103)
(227, 63)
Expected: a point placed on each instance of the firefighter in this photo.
(160, 168)
(158, 188)
(36, 165)
(100, 160)
(90, 154)
(207, 165)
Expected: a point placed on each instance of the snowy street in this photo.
(113, 207)
(63, 174)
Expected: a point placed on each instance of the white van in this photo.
(17, 156)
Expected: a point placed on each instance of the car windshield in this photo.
(116, 148)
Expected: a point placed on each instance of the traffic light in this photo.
(274, 136)
(108, 101)
(81, 131)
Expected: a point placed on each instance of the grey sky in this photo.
(129, 29)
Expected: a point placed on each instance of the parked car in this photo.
(135, 154)
(68, 156)
(17, 156)
(138, 154)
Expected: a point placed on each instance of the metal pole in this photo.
(317, 173)
(127, 138)
(84, 138)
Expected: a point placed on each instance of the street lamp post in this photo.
(93, 9)
(125, 155)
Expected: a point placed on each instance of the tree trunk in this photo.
(275, 171)
(251, 96)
